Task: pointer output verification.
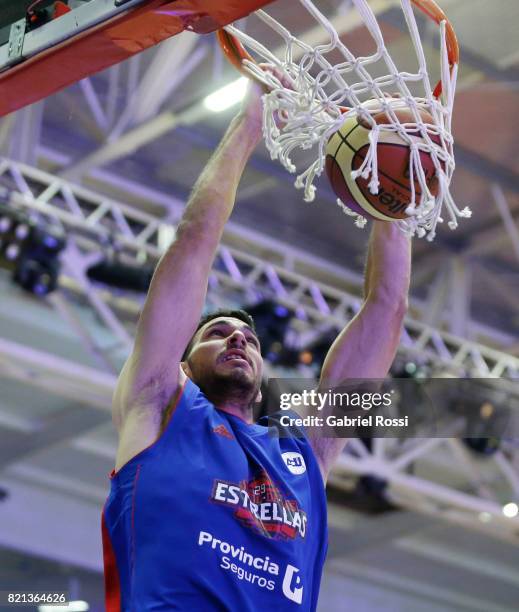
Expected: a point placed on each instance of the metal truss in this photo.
(483, 485)
(240, 273)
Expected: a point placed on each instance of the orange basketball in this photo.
(346, 151)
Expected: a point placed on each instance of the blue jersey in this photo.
(215, 515)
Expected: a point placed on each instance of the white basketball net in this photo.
(311, 114)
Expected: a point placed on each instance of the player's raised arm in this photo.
(365, 349)
(176, 296)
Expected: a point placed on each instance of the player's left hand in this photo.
(252, 106)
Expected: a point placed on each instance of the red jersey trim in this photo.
(133, 517)
(112, 585)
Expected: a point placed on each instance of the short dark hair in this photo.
(242, 315)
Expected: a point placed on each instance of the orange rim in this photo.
(235, 52)
(432, 10)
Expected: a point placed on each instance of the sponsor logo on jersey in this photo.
(262, 507)
(295, 462)
(290, 586)
(243, 565)
(221, 430)
(258, 570)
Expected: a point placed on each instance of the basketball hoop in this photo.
(317, 97)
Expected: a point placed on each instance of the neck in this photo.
(242, 412)
(233, 401)
(230, 396)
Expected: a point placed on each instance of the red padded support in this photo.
(111, 42)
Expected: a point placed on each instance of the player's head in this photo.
(224, 356)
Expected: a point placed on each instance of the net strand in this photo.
(311, 113)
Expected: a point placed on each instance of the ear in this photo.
(186, 369)
(259, 397)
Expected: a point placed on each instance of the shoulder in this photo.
(144, 422)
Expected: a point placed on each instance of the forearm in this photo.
(367, 346)
(213, 196)
(388, 270)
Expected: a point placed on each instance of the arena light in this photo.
(15, 228)
(511, 510)
(71, 606)
(272, 322)
(37, 270)
(30, 251)
(114, 273)
(315, 353)
(226, 96)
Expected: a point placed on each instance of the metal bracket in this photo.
(15, 45)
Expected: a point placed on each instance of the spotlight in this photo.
(486, 410)
(71, 606)
(272, 322)
(14, 232)
(511, 510)
(114, 273)
(38, 265)
(483, 446)
(29, 251)
(315, 353)
(226, 96)
(306, 357)
(485, 424)
(485, 517)
(408, 370)
(5, 224)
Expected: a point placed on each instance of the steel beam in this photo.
(506, 216)
(57, 375)
(171, 63)
(25, 133)
(460, 290)
(93, 102)
(60, 426)
(32, 510)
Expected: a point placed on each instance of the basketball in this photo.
(346, 151)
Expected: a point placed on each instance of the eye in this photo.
(216, 332)
(252, 340)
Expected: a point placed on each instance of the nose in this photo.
(237, 339)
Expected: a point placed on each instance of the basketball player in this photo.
(206, 510)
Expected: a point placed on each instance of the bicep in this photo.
(366, 348)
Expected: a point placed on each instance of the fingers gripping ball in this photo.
(347, 150)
